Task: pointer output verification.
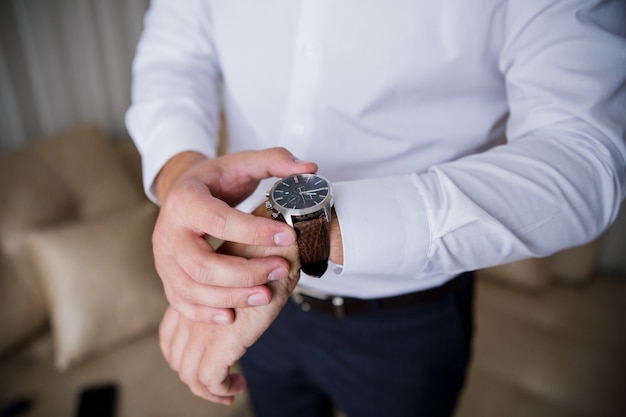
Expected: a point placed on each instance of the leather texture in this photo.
(314, 245)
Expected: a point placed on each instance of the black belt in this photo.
(341, 307)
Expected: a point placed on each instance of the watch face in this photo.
(301, 191)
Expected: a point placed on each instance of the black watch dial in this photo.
(300, 191)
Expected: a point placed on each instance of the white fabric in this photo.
(398, 102)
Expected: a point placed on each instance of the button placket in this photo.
(298, 122)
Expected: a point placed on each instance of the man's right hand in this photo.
(196, 196)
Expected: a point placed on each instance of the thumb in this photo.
(272, 162)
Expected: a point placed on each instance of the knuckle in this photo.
(279, 151)
(230, 300)
(217, 223)
(258, 235)
(183, 290)
(187, 376)
(173, 296)
(212, 385)
(176, 195)
(192, 314)
(160, 241)
(254, 275)
(182, 307)
(199, 391)
(202, 270)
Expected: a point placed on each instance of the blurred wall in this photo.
(64, 62)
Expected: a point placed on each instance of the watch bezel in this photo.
(288, 213)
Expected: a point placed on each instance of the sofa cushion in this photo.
(31, 195)
(128, 154)
(99, 282)
(532, 274)
(147, 386)
(570, 266)
(88, 163)
(559, 352)
(575, 265)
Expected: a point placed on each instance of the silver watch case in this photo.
(291, 215)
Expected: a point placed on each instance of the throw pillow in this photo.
(99, 282)
(31, 196)
(87, 161)
(532, 274)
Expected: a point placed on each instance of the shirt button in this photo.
(297, 129)
(309, 50)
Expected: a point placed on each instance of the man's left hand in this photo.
(203, 353)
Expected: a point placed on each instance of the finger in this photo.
(202, 392)
(220, 298)
(166, 332)
(204, 314)
(181, 290)
(190, 207)
(217, 380)
(177, 345)
(236, 385)
(196, 357)
(272, 162)
(199, 261)
(198, 312)
(190, 365)
(216, 218)
(202, 388)
(229, 386)
(193, 366)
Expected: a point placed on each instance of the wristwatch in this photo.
(304, 201)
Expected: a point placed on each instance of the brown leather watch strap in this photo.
(314, 245)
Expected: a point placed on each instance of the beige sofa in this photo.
(80, 299)
(80, 303)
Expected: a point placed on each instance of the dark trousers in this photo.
(405, 362)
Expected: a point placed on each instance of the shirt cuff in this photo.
(384, 226)
(176, 135)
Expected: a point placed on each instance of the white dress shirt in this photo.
(402, 103)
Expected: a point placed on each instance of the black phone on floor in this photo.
(97, 401)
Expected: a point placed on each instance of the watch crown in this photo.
(268, 205)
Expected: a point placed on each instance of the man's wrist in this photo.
(334, 233)
(336, 242)
(172, 170)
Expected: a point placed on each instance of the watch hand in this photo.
(314, 191)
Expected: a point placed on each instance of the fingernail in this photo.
(283, 239)
(278, 274)
(256, 300)
(221, 319)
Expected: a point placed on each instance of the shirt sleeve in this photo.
(175, 90)
(558, 182)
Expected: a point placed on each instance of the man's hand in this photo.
(196, 196)
(203, 353)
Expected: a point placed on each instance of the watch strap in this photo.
(314, 245)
